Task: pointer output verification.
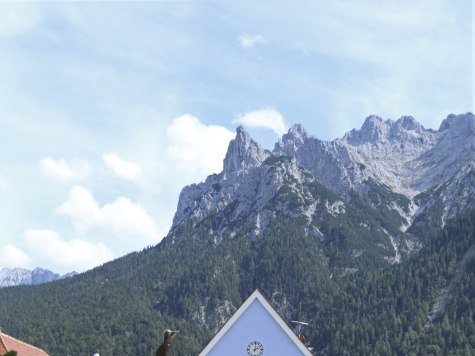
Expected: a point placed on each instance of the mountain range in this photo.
(367, 238)
(404, 171)
(401, 156)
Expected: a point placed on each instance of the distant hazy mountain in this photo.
(22, 276)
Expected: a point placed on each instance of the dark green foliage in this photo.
(384, 312)
(357, 227)
(383, 195)
(382, 198)
(426, 225)
(275, 161)
(123, 307)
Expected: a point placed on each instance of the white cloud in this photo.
(268, 118)
(195, 147)
(124, 169)
(66, 171)
(121, 216)
(11, 256)
(48, 248)
(248, 41)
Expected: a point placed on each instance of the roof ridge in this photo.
(21, 342)
(1, 340)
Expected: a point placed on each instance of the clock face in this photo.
(255, 348)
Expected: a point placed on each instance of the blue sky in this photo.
(107, 109)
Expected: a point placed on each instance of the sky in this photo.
(108, 109)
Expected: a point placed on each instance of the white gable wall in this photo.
(255, 324)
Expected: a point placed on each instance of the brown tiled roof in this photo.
(8, 343)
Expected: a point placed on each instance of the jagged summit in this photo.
(461, 122)
(297, 130)
(410, 124)
(452, 150)
(374, 129)
(243, 152)
(296, 136)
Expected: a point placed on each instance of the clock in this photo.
(255, 348)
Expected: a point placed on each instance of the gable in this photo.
(255, 320)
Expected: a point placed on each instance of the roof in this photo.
(8, 343)
(258, 297)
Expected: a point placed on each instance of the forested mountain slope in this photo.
(122, 307)
(361, 256)
(390, 311)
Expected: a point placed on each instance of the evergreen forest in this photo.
(194, 285)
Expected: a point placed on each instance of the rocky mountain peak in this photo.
(374, 129)
(460, 123)
(453, 150)
(296, 133)
(295, 137)
(457, 133)
(371, 121)
(410, 124)
(243, 152)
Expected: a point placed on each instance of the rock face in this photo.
(237, 181)
(243, 153)
(400, 157)
(22, 276)
(382, 150)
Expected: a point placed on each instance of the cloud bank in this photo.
(46, 247)
(197, 148)
(248, 41)
(120, 216)
(268, 118)
(122, 168)
(65, 171)
(13, 257)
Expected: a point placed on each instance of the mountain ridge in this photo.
(401, 156)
